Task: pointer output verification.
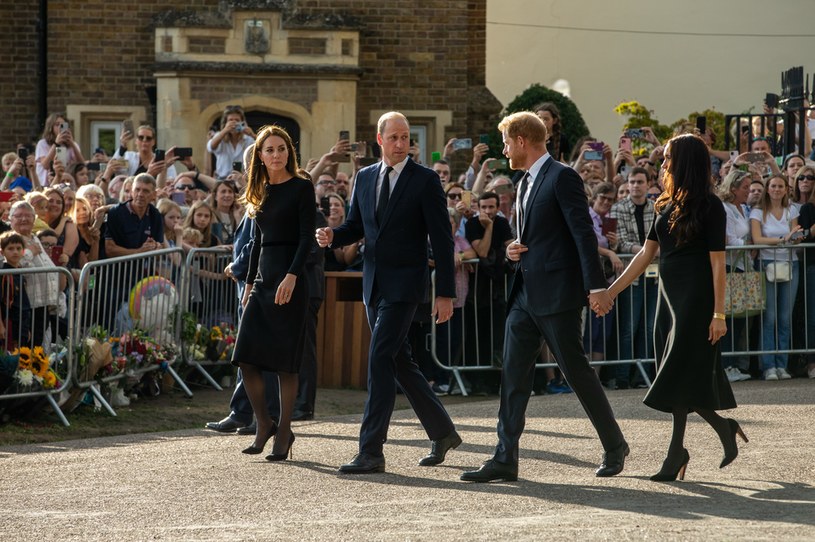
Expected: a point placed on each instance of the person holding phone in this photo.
(688, 236)
(143, 159)
(229, 144)
(57, 140)
(775, 222)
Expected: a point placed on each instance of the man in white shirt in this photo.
(229, 144)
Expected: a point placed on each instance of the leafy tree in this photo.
(572, 125)
(640, 116)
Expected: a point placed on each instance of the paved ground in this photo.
(195, 485)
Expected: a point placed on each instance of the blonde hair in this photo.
(390, 115)
(192, 236)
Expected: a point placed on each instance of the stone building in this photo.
(316, 66)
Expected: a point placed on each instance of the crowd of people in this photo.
(69, 211)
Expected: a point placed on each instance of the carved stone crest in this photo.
(256, 37)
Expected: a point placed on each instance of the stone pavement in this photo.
(196, 485)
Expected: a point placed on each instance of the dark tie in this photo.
(384, 196)
(520, 212)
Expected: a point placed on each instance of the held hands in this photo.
(716, 330)
(324, 236)
(601, 302)
(285, 289)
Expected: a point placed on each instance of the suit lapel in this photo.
(398, 190)
(534, 191)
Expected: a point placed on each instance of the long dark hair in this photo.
(553, 145)
(687, 186)
(257, 176)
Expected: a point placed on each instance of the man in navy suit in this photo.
(396, 204)
(557, 267)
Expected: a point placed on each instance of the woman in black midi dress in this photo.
(271, 335)
(689, 232)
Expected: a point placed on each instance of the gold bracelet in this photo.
(719, 316)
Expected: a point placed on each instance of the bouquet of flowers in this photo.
(30, 369)
(135, 349)
(213, 344)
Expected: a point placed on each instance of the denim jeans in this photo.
(776, 326)
(636, 315)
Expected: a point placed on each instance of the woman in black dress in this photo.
(271, 336)
(689, 233)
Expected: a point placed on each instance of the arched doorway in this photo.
(258, 119)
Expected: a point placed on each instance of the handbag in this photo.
(779, 272)
(744, 294)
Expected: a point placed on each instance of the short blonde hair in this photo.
(192, 236)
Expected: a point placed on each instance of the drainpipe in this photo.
(42, 63)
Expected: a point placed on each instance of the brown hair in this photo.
(11, 237)
(48, 129)
(257, 176)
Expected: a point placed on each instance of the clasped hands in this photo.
(601, 302)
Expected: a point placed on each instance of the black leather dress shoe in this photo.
(492, 470)
(439, 449)
(250, 429)
(613, 461)
(363, 464)
(301, 416)
(227, 425)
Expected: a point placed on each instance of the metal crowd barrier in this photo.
(212, 297)
(40, 327)
(472, 342)
(141, 291)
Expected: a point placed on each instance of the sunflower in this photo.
(24, 358)
(49, 380)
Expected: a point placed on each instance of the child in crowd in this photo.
(15, 319)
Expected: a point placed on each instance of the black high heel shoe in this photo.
(255, 450)
(666, 474)
(283, 456)
(731, 449)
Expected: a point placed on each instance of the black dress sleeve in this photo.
(254, 255)
(652, 231)
(305, 212)
(715, 228)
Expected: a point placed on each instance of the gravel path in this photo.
(196, 485)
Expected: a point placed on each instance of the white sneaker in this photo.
(783, 374)
(770, 374)
(733, 374)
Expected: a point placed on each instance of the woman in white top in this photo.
(773, 223)
(229, 144)
(734, 191)
(57, 143)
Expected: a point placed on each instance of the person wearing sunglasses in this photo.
(802, 183)
(143, 159)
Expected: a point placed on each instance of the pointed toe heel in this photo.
(669, 473)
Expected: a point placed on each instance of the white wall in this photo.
(673, 57)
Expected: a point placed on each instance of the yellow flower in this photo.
(49, 380)
(24, 354)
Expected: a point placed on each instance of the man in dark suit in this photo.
(396, 204)
(557, 266)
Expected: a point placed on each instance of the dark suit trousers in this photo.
(307, 387)
(563, 333)
(390, 363)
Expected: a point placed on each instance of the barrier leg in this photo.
(207, 375)
(179, 381)
(57, 410)
(457, 374)
(644, 374)
(98, 394)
